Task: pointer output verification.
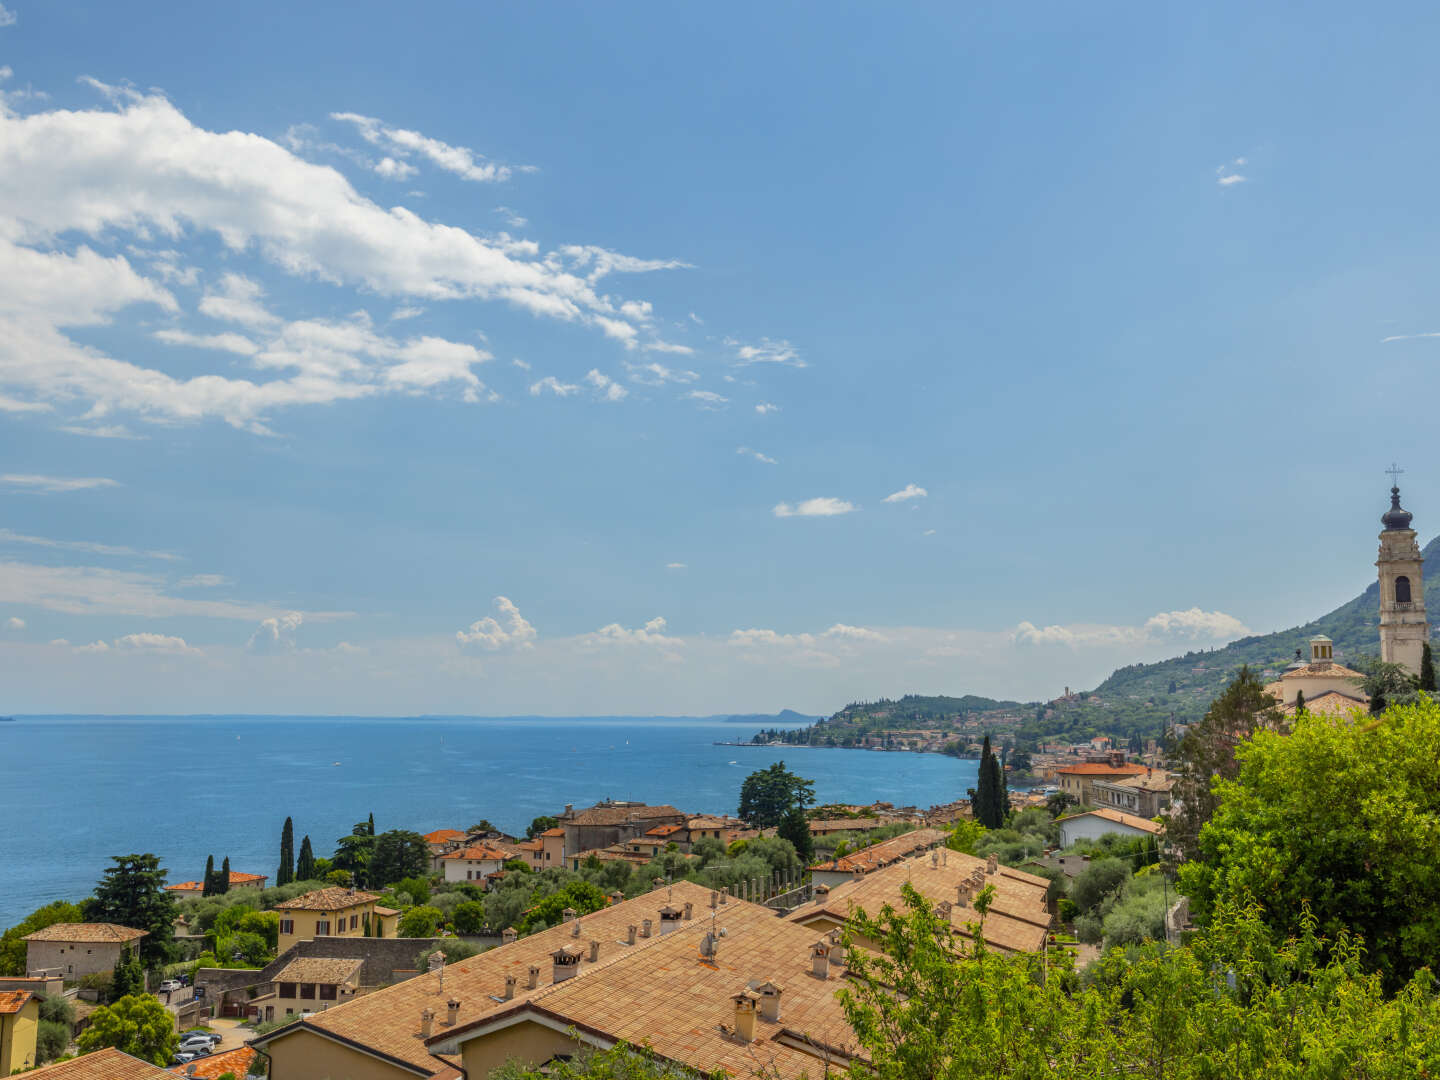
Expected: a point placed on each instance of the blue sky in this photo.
(904, 350)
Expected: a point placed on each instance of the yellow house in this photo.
(334, 912)
(19, 1024)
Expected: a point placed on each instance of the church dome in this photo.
(1396, 517)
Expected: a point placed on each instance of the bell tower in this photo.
(1403, 626)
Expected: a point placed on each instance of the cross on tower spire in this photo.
(1394, 472)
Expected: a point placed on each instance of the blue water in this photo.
(77, 790)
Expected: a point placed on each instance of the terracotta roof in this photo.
(236, 878)
(381, 909)
(620, 815)
(1322, 669)
(318, 969)
(12, 1001)
(613, 853)
(1157, 781)
(388, 1021)
(107, 1064)
(529, 845)
(667, 996)
(1332, 702)
(440, 836)
(482, 853)
(1119, 817)
(714, 823)
(885, 852)
(231, 1061)
(824, 825)
(660, 830)
(1100, 768)
(332, 899)
(1017, 921)
(557, 831)
(94, 933)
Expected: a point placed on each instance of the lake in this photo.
(82, 788)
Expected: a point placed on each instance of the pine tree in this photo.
(128, 977)
(222, 883)
(795, 827)
(1299, 701)
(1427, 670)
(207, 888)
(286, 874)
(305, 864)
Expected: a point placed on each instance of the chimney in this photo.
(944, 856)
(992, 864)
(769, 1000)
(565, 963)
(934, 859)
(820, 960)
(509, 987)
(709, 946)
(427, 1021)
(568, 915)
(616, 896)
(962, 894)
(534, 981)
(714, 899)
(658, 882)
(645, 927)
(669, 919)
(822, 892)
(943, 909)
(452, 1010)
(745, 1015)
(508, 935)
(837, 950)
(594, 951)
(575, 928)
(630, 935)
(569, 810)
(689, 910)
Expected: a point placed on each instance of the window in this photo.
(328, 993)
(322, 926)
(307, 991)
(287, 926)
(354, 921)
(1402, 589)
(285, 990)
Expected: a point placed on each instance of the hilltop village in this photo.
(718, 943)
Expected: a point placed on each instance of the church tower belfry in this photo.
(1404, 629)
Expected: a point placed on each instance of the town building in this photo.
(106, 1064)
(308, 984)
(19, 1025)
(334, 911)
(1145, 794)
(1326, 685)
(78, 949)
(473, 863)
(1078, 781)
(1094, 824)
(237, 881)
(1404, 629)
(611, 822)
(868, 859)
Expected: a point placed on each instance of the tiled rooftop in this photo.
(1120, 818)
(826, 825)
(12, 1001)
(332, 899)
(209, 1068)
(885, 852)
(236, 878)
(388, 1020)
(479, 853)
(107, 1064)
(1017, 921)
(319, 969)
(96, 933)
(1100, 768)
(621, 814)
(441, 836)
(1323, 669)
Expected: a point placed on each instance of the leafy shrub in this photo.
(469, 917)
(1097, 883)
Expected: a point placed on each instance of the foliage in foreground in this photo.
(1232, 1004)
(620, 1062)
(139, 1025)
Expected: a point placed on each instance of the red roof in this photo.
(232, 1061)
(553, 832)
(441, 836)
(1099, 768)
(479, 854)
(12, 1001)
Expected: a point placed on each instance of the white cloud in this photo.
(402, 313)
(745, 451)
(14, 623)
(767, 352)
(675, 566)
(909, 491)
(1226, 174)
(757, 637)
(235, 343)
(7, 17)
(393, 169)
(708, 399)
(652, 633)
(489, 633)
(599, 261)
(668, 347)
(203, 581)
(238, 300)
(155, 643)
(514, 220)
(1410, 337)
(765, 407)
(655, 374)
(521, 364)
(49, 484)
(9, 536)
(854, 633)
(607, 389)
(824, 506)
(1165, 627)
(102, 431)
(9, 404)
(928, 532)
(1230, 178)
(554, 385)
(463, 162)
(277, 633)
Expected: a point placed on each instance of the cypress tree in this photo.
(305, 864)
(1003, 787)
(222, 883)
(372, 824)
(286, 874)
(1427, 670)
(986, 800)
(207, 887)
(1299, 701)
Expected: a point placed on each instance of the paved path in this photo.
(232, 1031)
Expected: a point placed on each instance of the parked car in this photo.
(199, 1039)
(168, 985)
(184, 979)
(182, 1057)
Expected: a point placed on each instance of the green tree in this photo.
(12, 943)
(965, 836)
(988, 800)
(51, 1039)
(1207, 752)
(767, 795)
(1388, 684)
(1057, 802)
(420, 921)
(222, 883)
(795, 828)
(352, 855)
(207, 887)
(469, 917)
(484, 825)
(540, 824)
(1341, 817)
(1427, 670)
(305, 864)
(128, 977)
(371, 824)
(138, 1025)
(1299, 701)
(286, 874)
(583, 896)
(132, 893)
(397, 854)
(454, 949)
(620, 1062)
